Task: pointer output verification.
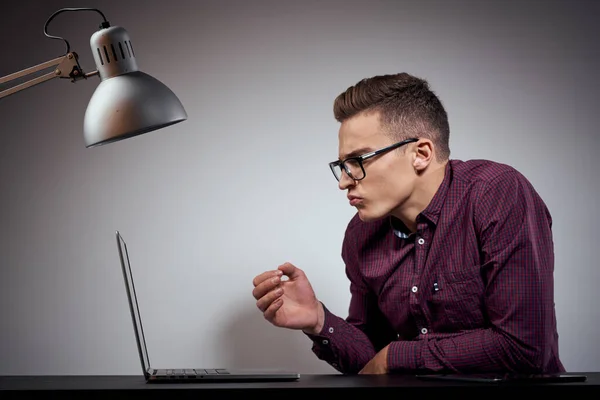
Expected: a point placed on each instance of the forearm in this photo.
(478, 350)
(342, 345)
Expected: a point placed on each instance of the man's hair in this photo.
(406, 106)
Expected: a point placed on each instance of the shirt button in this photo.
(421, 241)
(325, 341)
(414, 289)
(424, 331)
(331, 330)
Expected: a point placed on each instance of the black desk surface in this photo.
(88, 386)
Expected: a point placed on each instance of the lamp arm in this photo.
(67, 67)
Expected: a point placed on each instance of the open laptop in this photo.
(184, 374)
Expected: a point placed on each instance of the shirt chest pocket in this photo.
(456, 301)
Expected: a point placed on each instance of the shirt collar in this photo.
(433, 209)
(399, 228)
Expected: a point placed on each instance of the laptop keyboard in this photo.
(191, 373)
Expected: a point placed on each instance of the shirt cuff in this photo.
(329, 322)
(403, 356)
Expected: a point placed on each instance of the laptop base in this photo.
(196, 375)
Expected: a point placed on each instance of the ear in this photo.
(423, 154)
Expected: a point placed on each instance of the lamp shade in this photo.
(127, 102)
(129, 105)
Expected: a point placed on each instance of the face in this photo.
(389, 177)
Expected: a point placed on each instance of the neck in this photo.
(427, 184)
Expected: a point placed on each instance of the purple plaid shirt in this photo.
(471, 291)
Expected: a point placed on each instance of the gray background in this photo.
(243, 185)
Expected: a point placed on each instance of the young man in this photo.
(450, 263)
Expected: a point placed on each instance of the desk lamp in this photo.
(126, 103)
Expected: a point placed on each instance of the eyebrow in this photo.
(357, 152)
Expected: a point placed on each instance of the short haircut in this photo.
(406, 107)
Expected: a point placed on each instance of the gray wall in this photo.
(243, 185)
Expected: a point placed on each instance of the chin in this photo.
(367, 216)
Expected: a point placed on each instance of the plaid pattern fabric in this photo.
(471, 290)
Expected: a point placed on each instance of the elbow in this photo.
(530, 359)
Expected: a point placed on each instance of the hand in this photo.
(288, 303)
(378, 364)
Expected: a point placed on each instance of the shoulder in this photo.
(484, 176)
(363, 239)
(498, 189)
(483, 171)
(492, 184)
(359, 233)
(356, 225)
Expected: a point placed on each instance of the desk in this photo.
(316, 386)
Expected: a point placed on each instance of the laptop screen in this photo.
(133, 303)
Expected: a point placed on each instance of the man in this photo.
(450, 263)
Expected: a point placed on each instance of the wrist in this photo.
(320, 322)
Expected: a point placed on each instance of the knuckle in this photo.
(268, 315)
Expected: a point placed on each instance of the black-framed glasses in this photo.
(354, 165)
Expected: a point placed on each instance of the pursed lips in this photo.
(354, 200)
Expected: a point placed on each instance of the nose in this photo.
(345, 181)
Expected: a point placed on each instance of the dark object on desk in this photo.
(184, 375)
(506, 378)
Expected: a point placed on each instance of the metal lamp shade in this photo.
(128, 105)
